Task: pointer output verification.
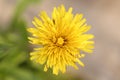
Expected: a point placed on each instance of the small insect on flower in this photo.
(61, 39)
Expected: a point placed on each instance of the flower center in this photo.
(60, 41)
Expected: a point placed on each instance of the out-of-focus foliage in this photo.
(14, 51)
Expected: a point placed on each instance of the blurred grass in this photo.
(14, 51)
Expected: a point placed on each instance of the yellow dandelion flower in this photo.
(60, 39)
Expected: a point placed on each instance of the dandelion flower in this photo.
(61, 39)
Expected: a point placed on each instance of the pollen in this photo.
(60, 41)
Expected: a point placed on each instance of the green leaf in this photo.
(17, 74)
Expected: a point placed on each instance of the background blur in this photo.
(102, 15)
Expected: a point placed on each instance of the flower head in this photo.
(61, 39)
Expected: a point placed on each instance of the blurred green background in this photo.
(17, 15)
